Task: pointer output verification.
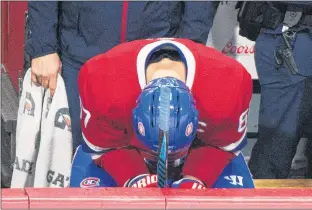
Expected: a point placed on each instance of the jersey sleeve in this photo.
(223, 91)
(108, 90)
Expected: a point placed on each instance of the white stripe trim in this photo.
(144, 52)
(200, 130)
(96, 148)
(202, 123)
(92, 146)
(95, 156)
(236, 200)
(237, 153)
(232, 146)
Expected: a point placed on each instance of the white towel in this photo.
(43, 140)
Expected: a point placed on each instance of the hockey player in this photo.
(123, 94)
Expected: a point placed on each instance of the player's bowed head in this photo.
(166, 71)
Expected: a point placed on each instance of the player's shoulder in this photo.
(213, 62)
(220, 82)
(226, 70)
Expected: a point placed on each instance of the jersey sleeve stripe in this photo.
(91, 148)
(238, 145)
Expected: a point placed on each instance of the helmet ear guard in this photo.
(183, 116)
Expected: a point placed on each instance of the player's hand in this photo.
(188, 182)
(142, 181)
(44, 71)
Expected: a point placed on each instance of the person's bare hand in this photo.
(44, 71)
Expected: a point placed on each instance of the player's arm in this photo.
(223, 110)
(108, 91)
(206, 163)
(43, 21)
(239, 117)
(222, 126)
(114, 168)
(106, 117)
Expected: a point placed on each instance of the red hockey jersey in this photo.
(110, 83)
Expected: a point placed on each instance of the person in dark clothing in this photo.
(283, 58)
(64, 35)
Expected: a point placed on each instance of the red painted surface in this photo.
(155, 198)
(117, 198)
(239, 199)
(12, 36)
(14, 199)
(4, 31)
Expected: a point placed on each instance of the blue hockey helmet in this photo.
(182, 115)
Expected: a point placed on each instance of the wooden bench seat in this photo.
(283, 183)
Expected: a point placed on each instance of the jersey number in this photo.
(243, 121)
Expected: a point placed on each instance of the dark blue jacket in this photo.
(306, 5)
(302, 4)
(80, 30)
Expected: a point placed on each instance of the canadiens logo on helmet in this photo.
(141, 128)
(90, 182)
(189, 129)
